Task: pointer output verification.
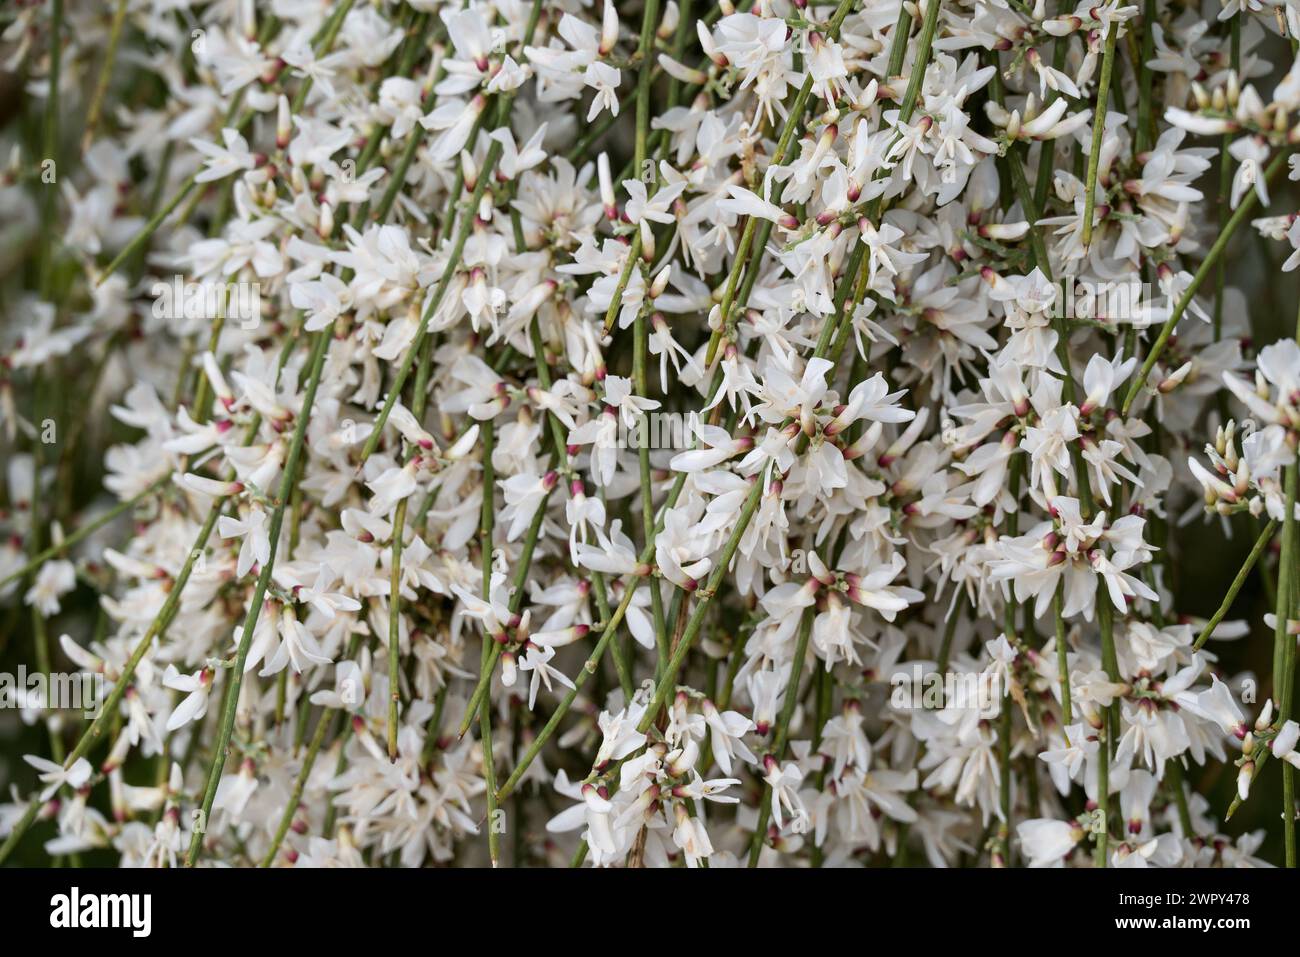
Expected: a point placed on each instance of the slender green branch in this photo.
(793, 120)
(75, 538)
(1109, 724)
(453, 261)
(1242, 574)
(1241, 214)
(50, 145)
(487, 522)
(105, 74)
(108, 708)
(641, 327)
(299, 784)
(394, 626)
(1225, 190)
(322, 44)
(667, 683)
(1098, 130)
(1062, 656)
(516, 603)
(287, 483)
(1284, 651)
(783, 726)
(587, 670)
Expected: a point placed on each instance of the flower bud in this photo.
(668, 22)
(1265, 716)
(325, 223)
(1174, 379)
(606, 187)
(660, 282)
(608, 29)
(283, 123)
(1244, 777)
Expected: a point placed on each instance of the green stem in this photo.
(1284, 648)
(300, 783)
(1004, 783)
(1146, 77)
(453, 262)
(641, 333)
(516, 602)
(394, 626)
(1174, 781)
(1242, 574)
(287, 483)
(705, 595)
(105, 74)
(1225, 191)
(1241, 214)
(322, 43)
(1062, 656)
(783, 726)
(108, 709)
(792, 123)
(486, 528)
(1105, 619)
(51, 148)
(624, 277)
(645, 50)
(1098, 131)
(84, 531)
(587, 670)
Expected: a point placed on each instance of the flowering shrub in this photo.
(336, 390)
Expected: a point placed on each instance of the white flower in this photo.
(195, 704)
(537, 660)
(55, 775)
(222, 161)
(604, 79)
(727, 730)
(784, 783)
(1045, 842)
(54, 580)
(254, 530)
(1251, 153)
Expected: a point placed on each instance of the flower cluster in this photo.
(367, 541)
